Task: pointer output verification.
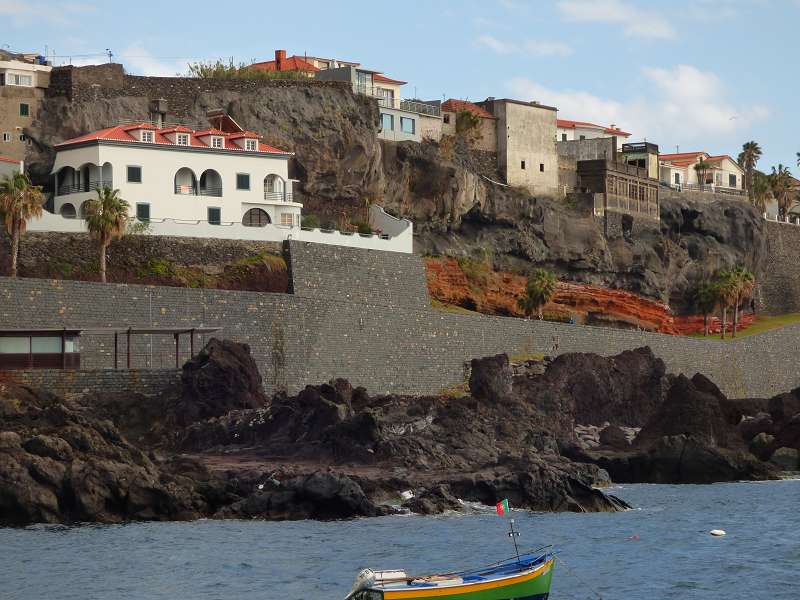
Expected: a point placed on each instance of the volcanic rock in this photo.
(490, 378)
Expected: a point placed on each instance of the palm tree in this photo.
(780, 183)
(19, 202)
(726, 286)
(701, 168)
(762, 192)
(744, 284)
(538, 292)
(748, 158)
(707, 299)
(107, 220)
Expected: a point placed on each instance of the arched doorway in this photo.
(185, 182)
(68, 211)
(274, 188)
(210, 183)
(256, 217)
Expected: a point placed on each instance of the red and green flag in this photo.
(502, 507)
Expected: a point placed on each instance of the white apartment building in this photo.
(567, 131)
(723, 174)
(177, 174)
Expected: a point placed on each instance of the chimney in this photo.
(280, 56)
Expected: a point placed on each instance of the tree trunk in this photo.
(724, 320)
(14, 246)
(103, 248)
(705, 324)
(735, 317)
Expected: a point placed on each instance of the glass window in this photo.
(143, 212)
(250, 145)
(71, 344)
(134, 174)
(541, 167)
(15, 345)
(6, 136)
(583, 137)
(407, 125)
(446, 118)
(731, 180)
(522, 165)
(46, 345)
(24, 110)
(286, 219)
(387, 122)
(214, 215)
(216, 142)
(147, 136)
(242, 181)
(255, 217)
(2, 78)
(14, 79)
(182, 139)
(563, 137)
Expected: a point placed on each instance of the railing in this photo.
(708, 187)
(278, 196)
(396, 103)
(77, 188)
(211, 191)
(186, 189)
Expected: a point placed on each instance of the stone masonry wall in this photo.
(365, 316)
(779, 287)
(71, 384)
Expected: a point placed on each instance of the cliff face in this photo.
(341, 164)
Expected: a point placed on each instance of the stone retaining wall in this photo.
(779, 287)
(71, 384)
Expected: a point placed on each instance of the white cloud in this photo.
(680, 104)
(536, 48)
(495, 45)
(633, 20)
(141, 62)
(22, 14)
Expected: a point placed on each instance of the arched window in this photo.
(255, 217)
(68, 211)
(273, 188)
(210, 183)
(185, 182)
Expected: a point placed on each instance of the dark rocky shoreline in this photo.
(544, 434)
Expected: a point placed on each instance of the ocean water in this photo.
(660, 550)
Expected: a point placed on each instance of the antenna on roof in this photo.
(110, 54)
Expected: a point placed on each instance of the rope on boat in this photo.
(581, 581)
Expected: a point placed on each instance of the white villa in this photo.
(176, 173)
(567, 131)
(9, 166)
(723, 175)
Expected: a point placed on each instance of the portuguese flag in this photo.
(502, 507)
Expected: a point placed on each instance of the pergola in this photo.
(66, 359)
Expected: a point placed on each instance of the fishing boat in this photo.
(524, 577)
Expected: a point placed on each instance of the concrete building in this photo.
(176, 173)
(526, 147)
(485, 136)
(400, 120)
(723, 174)
(23, 80)
(643, 155)
(567, 130)
(9, 166)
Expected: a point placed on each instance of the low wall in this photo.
(397, 234)
(71, 384)
(779, 286)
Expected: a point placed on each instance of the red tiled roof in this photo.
(383, 79)
(120, 133)
(9, 160)
(679, 156)
(568, 124)
(177, 129)
(290, 63)
(456, 106)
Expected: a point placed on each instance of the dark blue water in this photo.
(673, 557)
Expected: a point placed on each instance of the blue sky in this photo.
(698, 74)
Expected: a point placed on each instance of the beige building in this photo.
(526, 146)
(723, 174)
(23, 80)
(485, 137)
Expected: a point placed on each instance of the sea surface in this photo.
(660, 550)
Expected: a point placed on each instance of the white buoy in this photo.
(717, 532)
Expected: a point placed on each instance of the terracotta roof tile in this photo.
(569, 124)
(9, 160)
(290, 63)
(456, 106)
(380, 78)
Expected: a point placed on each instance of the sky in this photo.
(689, 75)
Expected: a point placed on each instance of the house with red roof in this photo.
(721, 173)
(567, 130)
(174, 174)
(9, 166)
(305, 64)
(484, 137)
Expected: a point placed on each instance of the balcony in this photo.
(708, 187)
(79, 188)
(384, 101)
(271, 196)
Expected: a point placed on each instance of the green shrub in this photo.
(158, 266)
(310, 221)
(220, 69)
(363, 227)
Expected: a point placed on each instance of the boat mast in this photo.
(514, 535)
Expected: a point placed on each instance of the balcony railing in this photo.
(277, 196)
(185, 189)
(211, 191)
(77, 188)
(392, 102)
(708, 187)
